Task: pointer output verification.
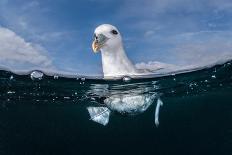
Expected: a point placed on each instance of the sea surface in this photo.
(47, 115)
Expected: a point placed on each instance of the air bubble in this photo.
(10, 92)
(213, 77)
(66, 97)
(82, 79)
(55, 77)
(37, 75)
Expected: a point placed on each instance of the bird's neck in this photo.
(116, 63)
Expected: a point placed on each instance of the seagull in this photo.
(115, 62)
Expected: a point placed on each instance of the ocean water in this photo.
(47, 115)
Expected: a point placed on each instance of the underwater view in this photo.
(41, 114)
(116, 77)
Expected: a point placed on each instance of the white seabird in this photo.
(115, 62)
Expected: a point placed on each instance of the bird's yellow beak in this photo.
(95, 46)
(99, 42)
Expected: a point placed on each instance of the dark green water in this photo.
(49, 116)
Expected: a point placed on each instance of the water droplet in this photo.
(37, 75)
(55, 77)
(82, 79)
(213, 77)
(126, 79)
(215, 70)
(154, 82)
(81, 83)
(193, 84)
(11, 77)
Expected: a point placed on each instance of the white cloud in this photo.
(192, 50)
(155, 66)
(196, 55)
(17, 54)
(157, 7)
(30, 5)
(202, 48)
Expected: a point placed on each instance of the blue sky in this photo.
(57, 35)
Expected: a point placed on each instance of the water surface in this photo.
(48, 115)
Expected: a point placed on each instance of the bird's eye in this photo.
(114, 32)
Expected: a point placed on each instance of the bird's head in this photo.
(106, 36)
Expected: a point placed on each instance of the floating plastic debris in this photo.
(37, 75)
(126, 79)
(158, 105)
(66, 97)
(99, 114)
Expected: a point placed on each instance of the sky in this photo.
(57, 35)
